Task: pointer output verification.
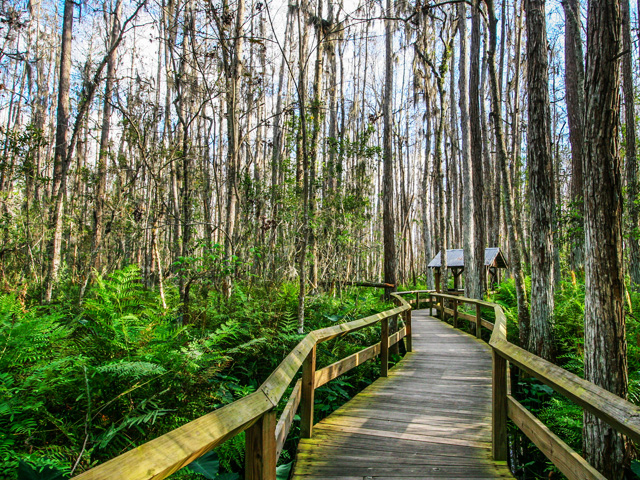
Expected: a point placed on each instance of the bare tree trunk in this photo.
(515, 261)
(574, 84)
(467, 167)
(388, 219)
(303, 161)
(233, 127)
(455, 161)
(330, 172)
(59, 166)
(631, 169)
(516, 142)
(103, 153)
(605, 346)
(426, 218)
(476, 276)
(315, 139)
(541, 181)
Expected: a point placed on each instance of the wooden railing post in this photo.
(308, 391)
(478, 321)
(499, 406)
(455, 314)
(384, 347)
(260, 448)
(417, 299)
(407, 324)
(443, 304)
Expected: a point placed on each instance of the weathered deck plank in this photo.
(429, 419)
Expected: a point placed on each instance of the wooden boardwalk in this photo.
(430, 418)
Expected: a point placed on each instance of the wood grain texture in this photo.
(408, 339)
(621, 414)
(430, 418)
(336, 369)
(260, 448)
(568, 461)
(467, 317)
(308, 397)
(164, 455)
(499, 406)
(287, 416)
(455, 314)
(384, 347)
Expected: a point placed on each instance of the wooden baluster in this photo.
(455, 314)
(443, 304)
(499, 406)
(260, 448)
(478, 321)
(308, 391)
(417, 299)
(384, 348)
(407, 322)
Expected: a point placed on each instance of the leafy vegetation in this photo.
(81, 384)
(562, 416)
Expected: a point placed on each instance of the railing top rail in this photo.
(166, 454)
(464, 299)
(406, 292)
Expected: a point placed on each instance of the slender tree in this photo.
(476, 262)
(631, 170)
(574, 84)
(61, 150)
(388, 217)
(515, 260)
(103, 154)
(302, 157)
(467, 165)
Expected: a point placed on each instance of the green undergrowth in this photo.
(82, 384)
(561, 415)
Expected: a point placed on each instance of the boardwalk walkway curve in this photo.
(430, 418)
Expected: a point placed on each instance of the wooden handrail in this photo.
(255, 413)
(622, 415)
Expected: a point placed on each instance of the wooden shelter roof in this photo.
(493, 257)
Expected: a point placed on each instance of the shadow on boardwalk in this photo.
(430, 418)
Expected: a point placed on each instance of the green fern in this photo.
(131, 370)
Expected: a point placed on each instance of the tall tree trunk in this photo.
(303, 162)
(60, 159)
(515, 261)
(633, 243)
(233, 127)
(467, 165)
(541, 181)
(574, 84)
(388, 219)
(605, 346)
(316, 109)
(476, 263)
(427, 219)
(454, 162)
(103, 154)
